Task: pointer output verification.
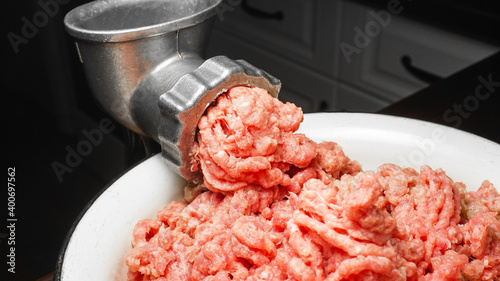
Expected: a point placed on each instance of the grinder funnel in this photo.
(143, 62)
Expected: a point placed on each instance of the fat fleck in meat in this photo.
(282, 207)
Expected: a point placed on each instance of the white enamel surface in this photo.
(374, 139)
(102, 238)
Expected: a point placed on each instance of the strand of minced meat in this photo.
(282, 207)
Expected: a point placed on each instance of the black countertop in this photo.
(468, 100)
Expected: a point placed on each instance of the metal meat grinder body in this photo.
(143, 61)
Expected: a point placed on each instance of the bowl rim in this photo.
(62, 252)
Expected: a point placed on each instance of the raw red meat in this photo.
(282, 207)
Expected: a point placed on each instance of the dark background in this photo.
(48, 105)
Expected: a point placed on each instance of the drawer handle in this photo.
(420, 74)
(278, 15)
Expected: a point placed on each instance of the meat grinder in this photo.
(143, 62)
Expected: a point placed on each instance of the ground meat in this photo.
(282, 207)
(248, 138)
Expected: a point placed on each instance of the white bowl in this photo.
(97, 244)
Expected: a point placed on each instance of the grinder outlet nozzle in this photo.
(185, 103)
(143, 63)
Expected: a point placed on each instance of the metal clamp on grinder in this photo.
(143, 62)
